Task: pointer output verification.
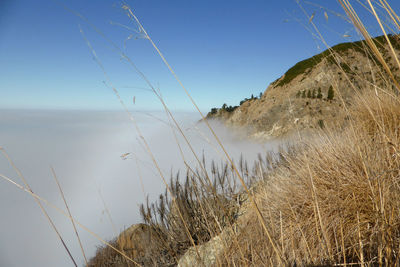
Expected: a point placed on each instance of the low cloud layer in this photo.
(85, 149)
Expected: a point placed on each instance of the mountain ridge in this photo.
(312, 93)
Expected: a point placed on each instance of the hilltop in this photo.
(312, 93)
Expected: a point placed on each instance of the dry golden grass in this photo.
(335, 199)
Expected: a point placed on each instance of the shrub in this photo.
(205, 209)
(231, 109)
(319, 95)
(321, 124)
(331, 93)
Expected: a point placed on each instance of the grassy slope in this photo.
(333, 199)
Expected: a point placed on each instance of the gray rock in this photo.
(209, 252)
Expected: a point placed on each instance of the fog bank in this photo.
(85, 148)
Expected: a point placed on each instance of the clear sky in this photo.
(223, 51)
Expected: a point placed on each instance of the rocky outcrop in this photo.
(209, 252)
(135, 240)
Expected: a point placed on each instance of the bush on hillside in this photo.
(319, 94)
(331, 93)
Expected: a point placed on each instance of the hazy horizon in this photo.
(85, 150)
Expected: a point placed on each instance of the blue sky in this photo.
(223, 51)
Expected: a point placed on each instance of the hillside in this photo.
(328, 199)
(312, 93)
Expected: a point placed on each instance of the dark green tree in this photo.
(230, 108)
(321, 124)
(319, 95)
(331, 93)
(224, 106)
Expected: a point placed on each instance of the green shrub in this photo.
(321, 124)
(319, 95)
(331, 93)
(213, 111)
(230, 108)
(346, 68)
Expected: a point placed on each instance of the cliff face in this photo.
(313, 93)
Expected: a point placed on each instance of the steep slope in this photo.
(313, 92)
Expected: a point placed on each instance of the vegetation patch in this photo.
(229, 109)
(306, 65)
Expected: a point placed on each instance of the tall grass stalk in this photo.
(131, 117)
(352, 176)
(62, 212)
(70, 215)
(170, 116)
(37, 200)
(260, 217)
(107, 212)
(352, 14)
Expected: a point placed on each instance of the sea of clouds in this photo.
(85, 149)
